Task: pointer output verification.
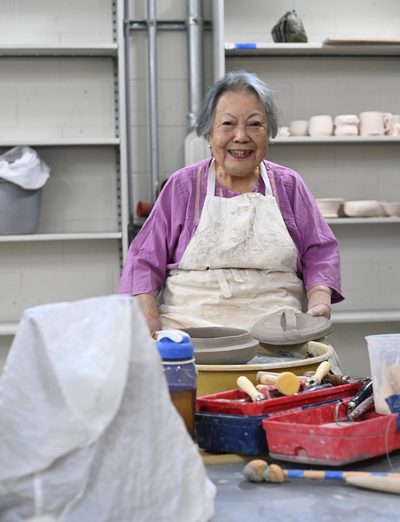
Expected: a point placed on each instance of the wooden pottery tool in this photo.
(322, 370)
(258, 471)
(335, 380)
(365, 391)
(286, 382)
(247, 386)
(303, 377)
(388, 484)
(269, 393)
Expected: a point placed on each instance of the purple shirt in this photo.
(161, 242)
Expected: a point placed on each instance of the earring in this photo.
(209, 146)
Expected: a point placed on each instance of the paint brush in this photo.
(259, 471)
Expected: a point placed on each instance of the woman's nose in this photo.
(241, 133)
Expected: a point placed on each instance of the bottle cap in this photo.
(174, 344)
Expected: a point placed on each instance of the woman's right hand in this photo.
(149, 310)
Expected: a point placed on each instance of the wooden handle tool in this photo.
(286, 382)
(247, 386)
(322, 370)
(387, 484)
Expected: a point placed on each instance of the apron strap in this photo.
(223, 283)
(264, 175)
(211, 179)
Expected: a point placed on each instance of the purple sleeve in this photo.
(317, 247)
(161, 242)
(154, 250)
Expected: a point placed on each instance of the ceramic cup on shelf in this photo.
(298, 128)
(387, 122)
(371, 123)
(394, 129)
(346, 125)
(321, 125)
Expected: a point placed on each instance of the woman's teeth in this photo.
(240, 152)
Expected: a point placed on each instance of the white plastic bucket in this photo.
(384, 358)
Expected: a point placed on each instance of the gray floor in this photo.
(303, 500)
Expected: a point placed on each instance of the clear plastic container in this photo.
(384, 358)
(177, 352)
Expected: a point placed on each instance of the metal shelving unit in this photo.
(101, 246)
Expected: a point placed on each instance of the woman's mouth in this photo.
(240, 153)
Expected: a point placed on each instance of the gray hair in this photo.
(238, 81)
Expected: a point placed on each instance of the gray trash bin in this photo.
(19, 209)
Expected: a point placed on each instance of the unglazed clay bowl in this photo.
(298, 128)
(221, 345)
(321, 125)
(391, 209)
(362, 208)
(329, 207)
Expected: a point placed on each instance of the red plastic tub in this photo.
(213, 403)
(313, 436)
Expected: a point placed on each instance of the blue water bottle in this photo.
(177, 354)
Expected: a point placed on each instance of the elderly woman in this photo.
(233, 238)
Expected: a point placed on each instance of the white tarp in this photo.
(87, 428)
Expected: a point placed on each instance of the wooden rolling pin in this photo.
(247, 386)
(286, 382)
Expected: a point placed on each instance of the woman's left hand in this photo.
(320, 310)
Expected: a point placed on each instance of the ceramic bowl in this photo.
(298, 128)
(321, 125)
(362, 208)
(221, 345)
(391, 209)
(346, 130)
(347, 119)
(329, 207)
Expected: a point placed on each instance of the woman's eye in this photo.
(256, 124)
(226, 123)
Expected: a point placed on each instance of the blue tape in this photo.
(246, 46)
(295, 473)
(394, 405)
(334, 475)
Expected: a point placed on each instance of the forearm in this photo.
(319, 301)
(149, 310)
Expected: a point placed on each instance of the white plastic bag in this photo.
(22, 166)
(87, 428)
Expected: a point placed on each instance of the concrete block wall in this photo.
(48, 98)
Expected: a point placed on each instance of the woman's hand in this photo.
(148, 307)
(319, 301)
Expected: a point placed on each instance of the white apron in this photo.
(239, 266)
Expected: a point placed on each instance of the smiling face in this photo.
(239, 135)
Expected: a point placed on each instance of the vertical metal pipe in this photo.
(152, 50)
(127, 113)
(218, 39)
(195, 46)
